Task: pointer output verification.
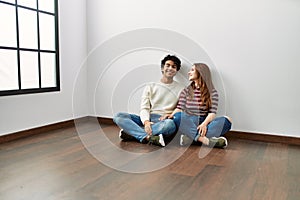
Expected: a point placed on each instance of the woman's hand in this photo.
(169, 116)
(202, 129)
(203, 126)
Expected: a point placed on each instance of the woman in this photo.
(195, 114)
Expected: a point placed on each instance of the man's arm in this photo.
(145, 105)
(145, 110)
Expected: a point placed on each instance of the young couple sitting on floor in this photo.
(168, 107)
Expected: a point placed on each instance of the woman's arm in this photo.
(211, 115)
(170, 116)
(202, 128)
(175, 111)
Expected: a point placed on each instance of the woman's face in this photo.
(193, 74)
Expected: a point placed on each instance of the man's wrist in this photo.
(146, 122)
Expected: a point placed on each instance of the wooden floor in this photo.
(56, 165)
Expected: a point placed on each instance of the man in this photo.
(158, 101)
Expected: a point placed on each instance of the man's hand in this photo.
(147, 127)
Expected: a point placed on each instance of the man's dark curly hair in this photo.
(174, 59)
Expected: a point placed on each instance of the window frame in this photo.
(38, 50)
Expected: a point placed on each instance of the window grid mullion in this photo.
(57, 44)
(39, 44)
(18, 48)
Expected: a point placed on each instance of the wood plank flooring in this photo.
(56, 165)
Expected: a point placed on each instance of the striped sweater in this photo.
(193, 106)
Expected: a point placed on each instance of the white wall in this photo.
(253, 44)
(23, 112)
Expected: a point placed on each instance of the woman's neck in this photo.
(196, 84)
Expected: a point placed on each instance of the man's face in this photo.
(169, 70)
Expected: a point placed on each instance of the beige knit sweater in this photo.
(159, 98)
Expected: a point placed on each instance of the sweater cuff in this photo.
(144, 115)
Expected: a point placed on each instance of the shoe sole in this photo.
(181, 140)
(120, 134)
(161, 140)
(226, 142)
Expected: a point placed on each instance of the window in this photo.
(29, 56)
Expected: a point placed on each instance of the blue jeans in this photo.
(187, 124)
(133, 125)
